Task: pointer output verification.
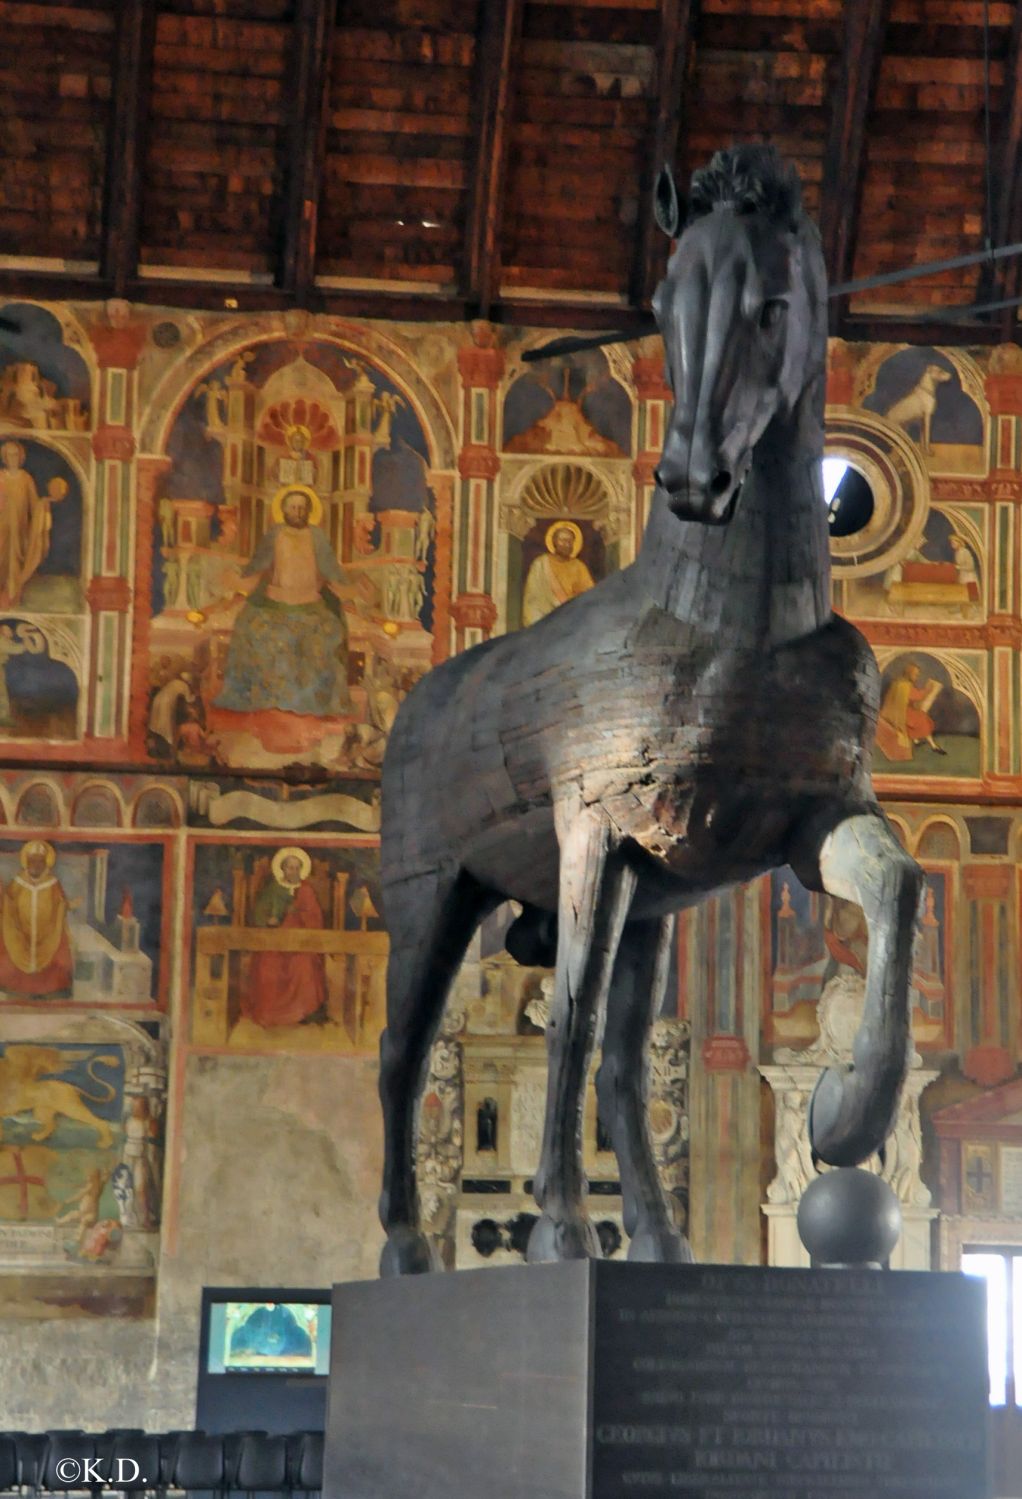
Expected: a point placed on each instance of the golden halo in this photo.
(299, 430)
(277, 863)
(563, 525)
(315, 503)
(37, 846)
(57, 488)
(12, 442)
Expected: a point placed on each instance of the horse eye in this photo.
(771, 313)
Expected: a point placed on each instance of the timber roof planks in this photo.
(456, 158)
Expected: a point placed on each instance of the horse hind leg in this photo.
(431, 921)
(636, 994)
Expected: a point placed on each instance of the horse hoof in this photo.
(846, 1123)
(660, 1246)
(408, 1252)
(555, 1239)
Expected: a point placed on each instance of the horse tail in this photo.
(109, 1091)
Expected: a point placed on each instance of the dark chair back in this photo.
(199, 1462)
(64, 1462)
(133, 1462)
(232, 1454)
(294, 1456)
(105, 1440)
(262, 1464)
(31, 1446)
(168, 1441)
(8, 1464)
(310, 1466)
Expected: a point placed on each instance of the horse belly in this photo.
(517, 858)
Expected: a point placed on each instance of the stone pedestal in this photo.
(599, 1380)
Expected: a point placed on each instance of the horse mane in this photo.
(749, 179)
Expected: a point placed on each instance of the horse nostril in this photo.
(720, 483)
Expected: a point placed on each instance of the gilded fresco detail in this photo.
(294, 557)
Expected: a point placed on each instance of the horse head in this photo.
(743, 313)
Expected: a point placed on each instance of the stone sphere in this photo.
(849, 1217)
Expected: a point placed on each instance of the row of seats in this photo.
(135, 1461)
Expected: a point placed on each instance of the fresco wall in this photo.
(229, 546)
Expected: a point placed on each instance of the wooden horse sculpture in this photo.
(695, 720)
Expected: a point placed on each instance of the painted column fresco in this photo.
(481, 367)
(229, 545)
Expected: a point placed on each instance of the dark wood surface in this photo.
(132, 84)
(843, 165)
(314, 24)
(499, 43)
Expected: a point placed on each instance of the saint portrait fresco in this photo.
(557, 574)
(40, 529)
(926, 725)
(289, 946)
(286, 988)
(293, 563)
(80, 922)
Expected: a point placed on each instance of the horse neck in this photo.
(763, 579)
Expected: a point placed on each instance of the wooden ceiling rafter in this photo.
(1003, 281)
(678, 19)
(845, 158)
(310, 78)
(500, 32)
(129, 113)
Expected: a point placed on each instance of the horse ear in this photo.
(666, 207)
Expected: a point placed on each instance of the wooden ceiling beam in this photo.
(242, 297)
(129, 116)
(845, 159)
(1002, 281)
(497, 55)
(306, 135)
(677, 27)
(865, 328)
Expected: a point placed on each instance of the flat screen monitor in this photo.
(268, 1337)
(265, 1330)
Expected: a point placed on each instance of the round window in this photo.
(848, 495)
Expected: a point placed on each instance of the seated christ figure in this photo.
(288, 648)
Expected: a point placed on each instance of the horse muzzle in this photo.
(710, 505)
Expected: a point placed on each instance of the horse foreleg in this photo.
(596, 888)
(637, 990)
(431, 921)
(858, 858)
